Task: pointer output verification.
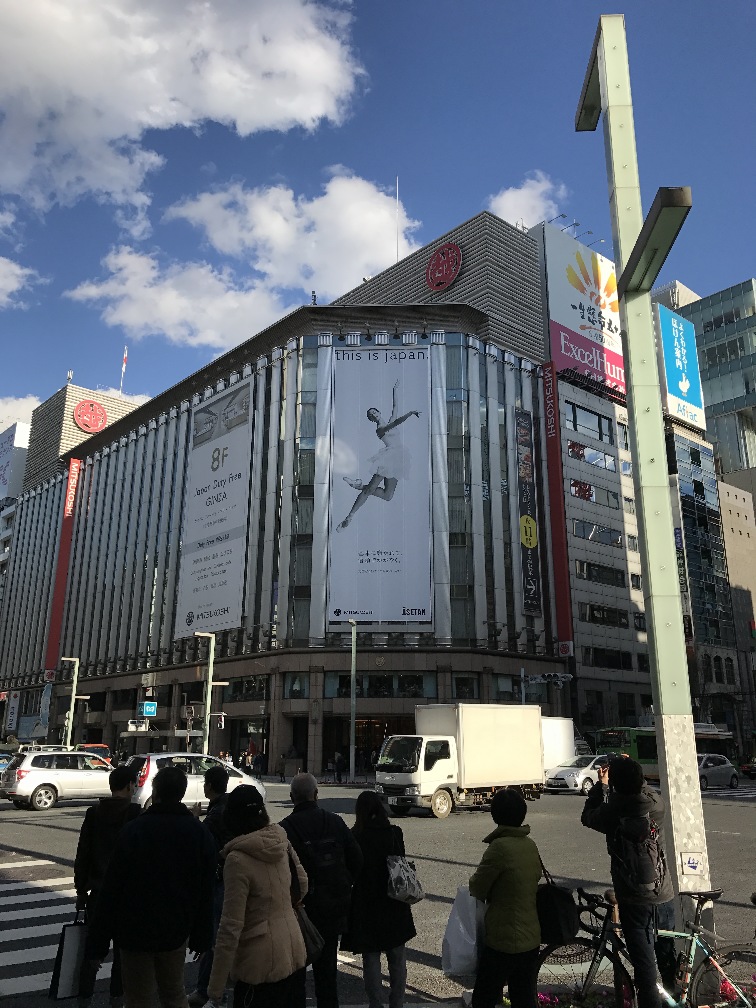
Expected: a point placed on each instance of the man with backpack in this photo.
(332, 859)
(631, 815)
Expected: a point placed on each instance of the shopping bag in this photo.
(312, 938)
(463, 936)
(403, 883)
(65, 976)
(558, 915)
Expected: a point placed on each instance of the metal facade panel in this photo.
(289, 412)
(320, 517)
(440, 493)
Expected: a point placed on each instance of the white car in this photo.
(716, 771)
(577, 775)
(194, 766)
(38, 779)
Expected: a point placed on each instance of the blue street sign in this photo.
(148, 708)
(684, 399)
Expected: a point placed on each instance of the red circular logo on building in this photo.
(443, 267)
(90, 416)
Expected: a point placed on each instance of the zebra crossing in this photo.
(36, 899)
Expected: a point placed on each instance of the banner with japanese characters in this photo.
(583, 310)
(681, 389)
(380, 526)
(529, 553)
(214, 534)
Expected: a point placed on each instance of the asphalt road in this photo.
(37, 898)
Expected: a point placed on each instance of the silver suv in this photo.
(38, 780)
(194, 766)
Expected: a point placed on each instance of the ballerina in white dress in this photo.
(390, 464)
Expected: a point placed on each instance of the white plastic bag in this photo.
(463, 936)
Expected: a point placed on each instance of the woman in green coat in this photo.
(506, 881)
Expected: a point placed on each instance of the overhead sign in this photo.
(380, 542)
(214, 535)
(529, 553)
(681, 388)
(583, 310)
(11, 712)
(148, 708)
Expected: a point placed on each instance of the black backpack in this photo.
(638, 855)
(329, 881)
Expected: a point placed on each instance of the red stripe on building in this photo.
(557, 512)
(57, 608)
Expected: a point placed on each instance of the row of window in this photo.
(613, 658)
(603, 615)
(602, 534)
(602, 574)
(380, 686)
(584, 453)
(600, 495)
(717, 671)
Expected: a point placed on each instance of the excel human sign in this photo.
(583, 310)
(681, 388)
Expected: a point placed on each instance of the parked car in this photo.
(194, 766)
(5, 758)
(716, 771)
(38, 780)
(748, 768)
(96, 749)
(579, 774)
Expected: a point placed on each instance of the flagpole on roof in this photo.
(123, 367)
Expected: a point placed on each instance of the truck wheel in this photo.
(398, 811)
(441, 804)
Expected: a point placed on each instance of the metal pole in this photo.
(522, 685)
(606, 91)
(353, 703)
(208, 688)
(74, 685)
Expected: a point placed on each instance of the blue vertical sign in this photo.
(682, 380)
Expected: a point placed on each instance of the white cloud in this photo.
(535, 199)
(14, 279)
(81, 83)
(13, 409)
(286, 247)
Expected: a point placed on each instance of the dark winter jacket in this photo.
(603, 811)
(158, 888)
(97, 839)
(214, 822)
(376, 922)
(506, 880)
(329, 889)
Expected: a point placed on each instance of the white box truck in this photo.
(462, 753)
(558, 741)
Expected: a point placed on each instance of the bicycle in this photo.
(596, 971)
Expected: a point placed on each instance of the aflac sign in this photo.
(682, 380)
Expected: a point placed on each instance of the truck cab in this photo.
(419, 771)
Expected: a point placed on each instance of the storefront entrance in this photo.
(369, 736)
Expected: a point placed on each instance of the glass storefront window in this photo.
(296, 686)
(380, 686)
(465, 686)
(248, 688)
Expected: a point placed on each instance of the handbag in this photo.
(64, 982)
(403, 883)
(558, 915)
(313, 939)
(463, 937)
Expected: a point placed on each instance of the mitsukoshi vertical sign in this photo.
(214, 534)
(380, 529)
(529, 554)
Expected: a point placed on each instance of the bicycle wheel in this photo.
(732, 985)
(563, 977)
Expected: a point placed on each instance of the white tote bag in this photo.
(463, 936)
(65, 976)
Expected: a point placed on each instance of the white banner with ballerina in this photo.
(380, 541)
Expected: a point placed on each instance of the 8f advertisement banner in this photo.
(214, 534)
(380, 527)
(529, 555)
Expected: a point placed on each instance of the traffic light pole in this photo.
(70, 715)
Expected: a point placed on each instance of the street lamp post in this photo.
(74, 684)
(353, 702)
(640, 249)
(208, 687)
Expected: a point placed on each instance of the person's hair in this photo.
(169, 785)
(216, 778)
(508, 807)
(369, 810)
(304, 787)
(245, 811)
(626, 776)
(121, 776)
(373, 409)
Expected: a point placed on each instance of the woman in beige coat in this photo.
(259, 940)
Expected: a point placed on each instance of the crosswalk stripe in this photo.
(57, 911)
(6, 887)
(36, 897)
(36, 954)
(38, 982)
(38, 931)
(4, 865)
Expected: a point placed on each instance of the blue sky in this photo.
(175, 175)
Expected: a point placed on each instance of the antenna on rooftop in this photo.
(69, 377)
(397, 218)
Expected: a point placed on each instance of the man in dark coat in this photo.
(99, 833)
(156, 898)
(621, 794)
(332, 859)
